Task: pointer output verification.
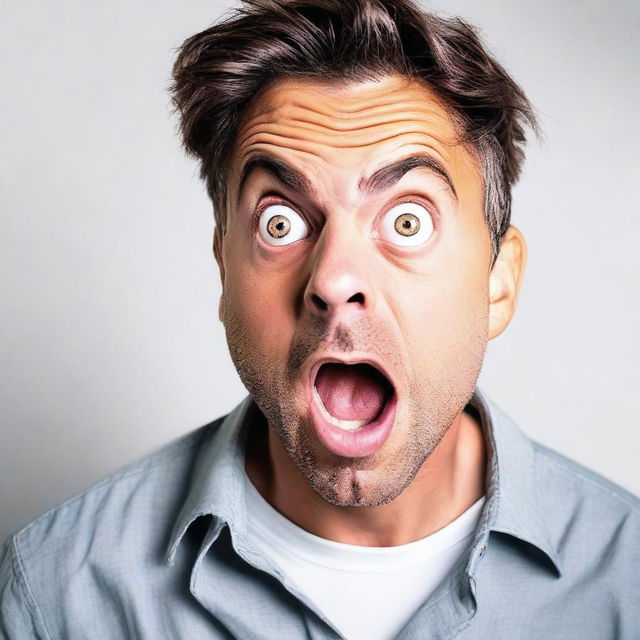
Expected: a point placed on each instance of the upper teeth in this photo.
(347, 425)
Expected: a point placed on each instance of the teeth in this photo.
(347, 425)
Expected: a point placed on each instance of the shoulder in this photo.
(129, 491)
(574, 482)
(126, 515)
(593, 522)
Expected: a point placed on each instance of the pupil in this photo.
(278, 227)
(407, 224)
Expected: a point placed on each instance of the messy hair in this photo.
(219, 70)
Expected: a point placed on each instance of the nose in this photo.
(340, 281)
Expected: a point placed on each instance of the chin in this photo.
(356, 482)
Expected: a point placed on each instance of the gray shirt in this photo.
(159, 550)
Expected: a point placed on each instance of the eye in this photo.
(280, 225)
(408, 224)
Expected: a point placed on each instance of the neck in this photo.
(448, 483)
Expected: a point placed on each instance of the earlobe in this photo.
(505, 280)
(217, 252)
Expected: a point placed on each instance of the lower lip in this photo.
(357, 443)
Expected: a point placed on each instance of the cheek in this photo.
(260, 302)
(448, 303)
(448, 315)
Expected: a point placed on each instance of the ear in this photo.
(217, 252)
(505, 280)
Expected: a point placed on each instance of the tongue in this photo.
(351, 392)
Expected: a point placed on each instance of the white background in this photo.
(111, 344)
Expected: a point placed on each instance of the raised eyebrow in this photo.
(290, 177)
(381, 179)
(388, 175)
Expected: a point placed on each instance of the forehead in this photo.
(348, 128)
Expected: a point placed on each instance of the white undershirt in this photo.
(367, 593)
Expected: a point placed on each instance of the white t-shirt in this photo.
(367, 593)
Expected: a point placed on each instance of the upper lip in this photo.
(356, 358)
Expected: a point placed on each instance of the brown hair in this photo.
(219, 70)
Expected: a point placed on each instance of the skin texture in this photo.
(425, 312)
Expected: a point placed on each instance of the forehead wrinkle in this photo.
(327, 138)
(296, 116)
(350, 98)
(348, 112)
(309, 120)
(329, 131)
(303, 145)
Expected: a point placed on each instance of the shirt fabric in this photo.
(160, 549)
(368, 593)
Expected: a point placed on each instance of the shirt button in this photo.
(482, 548)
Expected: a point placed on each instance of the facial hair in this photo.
(429, 405)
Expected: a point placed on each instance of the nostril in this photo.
(319, 302)
(357, 297)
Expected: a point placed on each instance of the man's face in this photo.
(356, 309)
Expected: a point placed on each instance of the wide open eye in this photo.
(280, 225)
(407, 225)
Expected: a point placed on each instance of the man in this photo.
(359, 156)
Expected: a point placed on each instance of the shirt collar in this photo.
(512, 507)
(514, 504)
(216, 486)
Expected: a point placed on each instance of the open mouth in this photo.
(351, 396)
(353, 407)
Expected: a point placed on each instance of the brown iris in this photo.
(407, 224)
(278, 226)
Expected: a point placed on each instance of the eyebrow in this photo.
(382, 178)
